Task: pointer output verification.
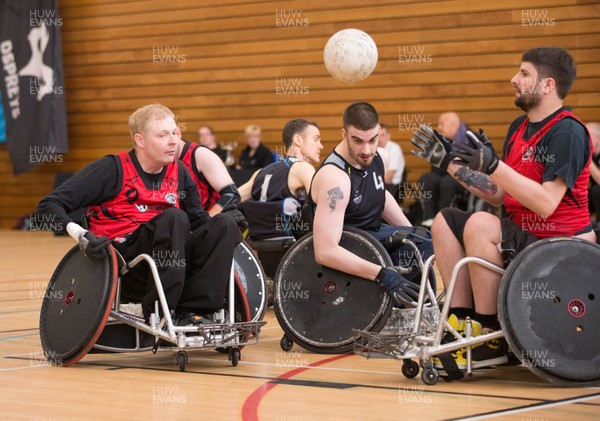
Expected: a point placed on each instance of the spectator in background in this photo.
(255, 156)
(206, 137)
(594, 191)
(395, 173)
(437, 186)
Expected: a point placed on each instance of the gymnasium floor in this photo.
(268, 384)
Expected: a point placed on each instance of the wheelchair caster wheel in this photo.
(286, 343)
(182, 360)
(410, 369)
(234, 356)
(430, 376)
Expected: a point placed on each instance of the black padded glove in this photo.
(432, 146)
(92, 246)
(404, 293)
(236, 214)
(478, 154)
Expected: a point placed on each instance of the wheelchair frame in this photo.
(564, 307)
(424, 341)
(223, 335)
(226, 334)
(331, 289)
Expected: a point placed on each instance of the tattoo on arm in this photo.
(476, 180)
(335, 194)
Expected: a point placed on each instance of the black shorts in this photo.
(514, 239)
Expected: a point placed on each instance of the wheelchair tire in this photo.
(76, 305)
(549, 309)
(252, 276)
(318, 307)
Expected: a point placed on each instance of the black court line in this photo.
(334, 385)
(587, 403)
(518, 408)
(305, 383)
(19, 330)
(312, 383)
(341, 386)
(319, 384)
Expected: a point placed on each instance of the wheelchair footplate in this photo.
(397, 339)
(223, 337)
(384, 345)
(212, 336)
(410, 346)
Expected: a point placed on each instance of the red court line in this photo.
(250, 408)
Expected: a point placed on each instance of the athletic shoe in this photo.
(458, 325)
(489, 353)
(512, 359)
(192, 319)
(459, 355)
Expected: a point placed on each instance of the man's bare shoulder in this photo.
(330, 172)
(205, 155)
(303, 164)
(302, 167)
(207, 161)
(328, 177)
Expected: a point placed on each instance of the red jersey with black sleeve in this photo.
(135, 202)
(102, 180)
(208, 195)
(557, 146)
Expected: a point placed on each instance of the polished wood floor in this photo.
(268, 384)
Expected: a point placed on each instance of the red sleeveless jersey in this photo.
(572, 214)
(134, 204)
(208, 196)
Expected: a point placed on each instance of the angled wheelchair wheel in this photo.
(76, 305)
(318, 307)
(252, 277)
(242, 311)
(549, 309)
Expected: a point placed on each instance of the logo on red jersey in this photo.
(171, 199)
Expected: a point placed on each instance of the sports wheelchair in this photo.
(548, 309)
(82, 309)
(319, 308)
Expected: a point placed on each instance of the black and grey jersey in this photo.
(271, 183)
(367, 192)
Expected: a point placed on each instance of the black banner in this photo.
(33, 83)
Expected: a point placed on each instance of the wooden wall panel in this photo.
(233, 53)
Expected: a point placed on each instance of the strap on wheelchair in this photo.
(416, 234)
(450, 366)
